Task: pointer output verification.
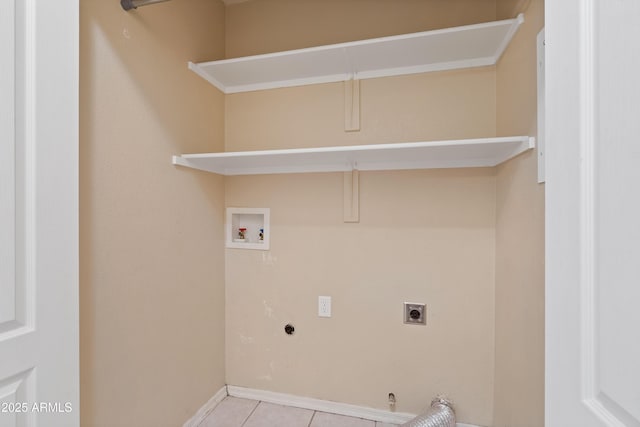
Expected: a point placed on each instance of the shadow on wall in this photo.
(149, 230)
(153, 45)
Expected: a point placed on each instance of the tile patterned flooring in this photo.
(236, 412)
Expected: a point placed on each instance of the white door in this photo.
(593, 213)
(39, 379)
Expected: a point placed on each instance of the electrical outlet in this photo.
(324, 306)
(415, 313)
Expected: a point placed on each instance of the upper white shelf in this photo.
(447, 49)
(412, 155)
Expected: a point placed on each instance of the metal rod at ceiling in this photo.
(134, 4)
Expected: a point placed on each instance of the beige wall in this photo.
(424, 236)
(519, 382)
(506, 9)
(420, 107)
(262, 26)
(152, 261)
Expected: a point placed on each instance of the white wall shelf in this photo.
(483, 152)
(446, 49)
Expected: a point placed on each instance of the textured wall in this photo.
(262, 26)
(152, 261)
(152, 265)
(425, 236)
(419, 107)
(519, 389)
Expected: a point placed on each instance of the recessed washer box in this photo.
(247, 228)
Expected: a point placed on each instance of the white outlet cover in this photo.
(324, 306)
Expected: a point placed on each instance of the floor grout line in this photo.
(312, 417)
(251, 413)
(260, 402)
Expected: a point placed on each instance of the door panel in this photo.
(7, 164)
(13, 193)
(17, 382)
(13, 392)
(617, 234)
(38, 213)
(592, 253)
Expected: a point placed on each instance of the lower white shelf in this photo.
(482, 152)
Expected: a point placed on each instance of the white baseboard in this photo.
(206, 409)
(320, 405)
(304, 403)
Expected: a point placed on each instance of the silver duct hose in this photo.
(440, 414)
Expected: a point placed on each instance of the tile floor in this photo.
(236, 412)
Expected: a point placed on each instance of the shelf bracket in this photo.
(352, 105)
(351, 202)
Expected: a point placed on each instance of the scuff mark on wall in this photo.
(246, 340)
(268, 311)
(268, 259)
(269, 377)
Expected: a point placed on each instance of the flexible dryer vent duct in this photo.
(440, 414)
